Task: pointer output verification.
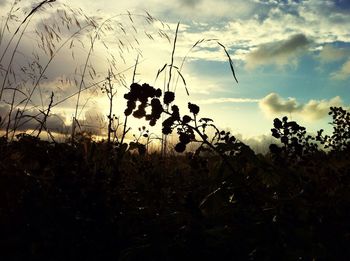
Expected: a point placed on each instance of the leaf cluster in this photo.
(295, 141)
(340, 138)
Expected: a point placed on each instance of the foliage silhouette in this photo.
(296, 143)
(111, 207)
(340, 139)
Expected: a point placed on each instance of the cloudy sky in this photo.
(292, 57)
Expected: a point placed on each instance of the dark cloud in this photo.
(30, 120)
(93, 122)
(278, 53)
(190, 3)
(276, 104)
(291, 44)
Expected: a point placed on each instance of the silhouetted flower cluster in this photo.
(193, 108)
(142, 94)
(186, 135)
(169, 122)
(169, 97)
(184, 130)
(187, 126)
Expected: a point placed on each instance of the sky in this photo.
(291, 57)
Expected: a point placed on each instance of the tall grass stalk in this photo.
(108, 88)
(93, 39)
(24, 122)
(8, 18)
(51, 49)
(45, 116)
(165, 137)
(51, 58)
(125, 130)
(24, 22)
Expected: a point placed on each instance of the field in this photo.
(91, 200)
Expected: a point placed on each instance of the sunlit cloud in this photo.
(259, 143)
(274, 105)
(317, 109)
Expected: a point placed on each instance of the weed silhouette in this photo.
(296, 143)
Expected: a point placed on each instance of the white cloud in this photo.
(274, 105)
(315, 109)
(259, 143)
(199, 10)
(243, 25)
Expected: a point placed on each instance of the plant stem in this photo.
(46, 114)
(110, 96)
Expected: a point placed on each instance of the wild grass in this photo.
(60, 30)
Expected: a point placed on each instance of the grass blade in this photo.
(230, 61)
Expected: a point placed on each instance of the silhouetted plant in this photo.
(110, 91)
(295, 142)
(45, 116)
(169, 93)
(340, 138)
(137, 144)
(188, 128)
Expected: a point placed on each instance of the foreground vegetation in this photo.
(91, 200)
